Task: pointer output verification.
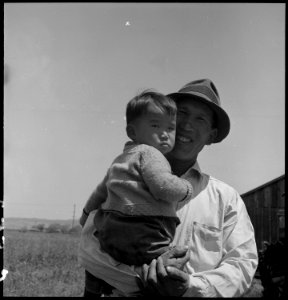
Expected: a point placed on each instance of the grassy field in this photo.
(45, 265)
(42, 264)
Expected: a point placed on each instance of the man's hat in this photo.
(205, 91)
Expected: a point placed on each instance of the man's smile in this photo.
(183, 139)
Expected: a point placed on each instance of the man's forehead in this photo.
(194, 104)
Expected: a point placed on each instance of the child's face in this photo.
(156, 128)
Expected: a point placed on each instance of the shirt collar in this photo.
(195, 169)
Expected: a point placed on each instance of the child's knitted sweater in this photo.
(140, 182)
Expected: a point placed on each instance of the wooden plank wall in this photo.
(265, 206)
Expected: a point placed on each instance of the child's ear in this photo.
(213, 135)
(130, 130)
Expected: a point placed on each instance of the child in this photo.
(136, 201)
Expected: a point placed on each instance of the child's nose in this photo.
(164, 135)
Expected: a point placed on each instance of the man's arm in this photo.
(231, 278)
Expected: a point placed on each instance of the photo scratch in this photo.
(4, 273)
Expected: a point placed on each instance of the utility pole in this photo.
(73, 216)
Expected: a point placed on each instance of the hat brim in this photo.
(222, 119)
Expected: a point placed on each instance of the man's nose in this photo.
(187, 125)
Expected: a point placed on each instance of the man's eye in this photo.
(154, 125)
(180, 112)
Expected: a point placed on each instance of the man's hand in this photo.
(161, 279)
(176, 257)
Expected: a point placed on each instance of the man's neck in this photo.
(179, 167)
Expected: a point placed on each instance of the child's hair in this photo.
(137, 106)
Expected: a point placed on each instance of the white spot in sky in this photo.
(127, 23)
(4, 273)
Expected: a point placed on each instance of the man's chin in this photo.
(181, 154)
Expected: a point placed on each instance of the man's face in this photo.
(194, 130)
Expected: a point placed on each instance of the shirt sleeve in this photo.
(234, 274)
(101, 264)
(158, 177)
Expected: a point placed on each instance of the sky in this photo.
(71, 68)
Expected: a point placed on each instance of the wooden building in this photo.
(265, 205)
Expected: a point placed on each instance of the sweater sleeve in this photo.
(98, 196)
(158, 177)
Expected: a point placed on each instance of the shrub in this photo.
(54, 227)
(273, 269)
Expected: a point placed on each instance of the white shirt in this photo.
(216, 227)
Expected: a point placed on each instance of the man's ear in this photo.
(130, 130)
(213, 135)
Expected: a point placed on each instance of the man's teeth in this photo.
(183, 139)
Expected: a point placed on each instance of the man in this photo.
(222, 257)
